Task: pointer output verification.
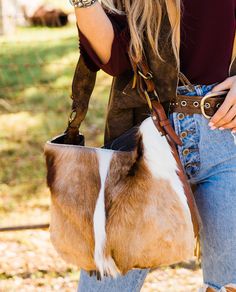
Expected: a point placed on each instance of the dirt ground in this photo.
(30, 263)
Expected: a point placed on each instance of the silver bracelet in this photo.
(82, 3)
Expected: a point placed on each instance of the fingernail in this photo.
(210, 124)
(221, 128)
(213, 128)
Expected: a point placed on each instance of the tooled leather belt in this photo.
(207, 105)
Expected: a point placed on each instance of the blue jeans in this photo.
(210, 164)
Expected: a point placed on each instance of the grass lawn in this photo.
(37, 66)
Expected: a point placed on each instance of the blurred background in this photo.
(38, 55)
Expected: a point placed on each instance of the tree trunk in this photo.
(8, 11)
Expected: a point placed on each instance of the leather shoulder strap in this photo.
(147, 89)
(82, 88)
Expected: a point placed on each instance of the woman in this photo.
(110, 31)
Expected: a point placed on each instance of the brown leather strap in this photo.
(146, 88)
(164, 127)
(184, 80)
(192, 104)
(187, 190)
(162, 122)
(82, 88)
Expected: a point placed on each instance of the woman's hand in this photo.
(225, 117)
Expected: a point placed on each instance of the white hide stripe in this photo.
(104, 265)
(160, 160)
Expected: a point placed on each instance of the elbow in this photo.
(114, 72)
(116, 66)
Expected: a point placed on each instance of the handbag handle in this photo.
(146, 88)
(82, 88)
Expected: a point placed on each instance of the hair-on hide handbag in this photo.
(124, 206)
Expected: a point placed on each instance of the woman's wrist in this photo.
(82, 3)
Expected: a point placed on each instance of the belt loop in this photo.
(189, 86)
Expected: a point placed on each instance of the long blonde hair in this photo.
(146, 15)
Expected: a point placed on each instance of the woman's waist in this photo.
(195, 90)
(197, 99)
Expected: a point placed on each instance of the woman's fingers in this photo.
(219, 117)
(226, 120)
(227, 110)
(230, 125)
(225, 85)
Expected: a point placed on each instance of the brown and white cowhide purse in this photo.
(112, 211)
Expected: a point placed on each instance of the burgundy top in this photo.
(207, 36)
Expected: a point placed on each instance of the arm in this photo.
(117, 60)
(97, 27)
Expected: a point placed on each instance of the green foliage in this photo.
(37, 66)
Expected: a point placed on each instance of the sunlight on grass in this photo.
(37, 68)
(35, 89)
(39, 34)
(18, 124)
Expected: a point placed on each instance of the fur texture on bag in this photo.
(112, 211)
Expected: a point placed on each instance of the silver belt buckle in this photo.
(208, 95)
